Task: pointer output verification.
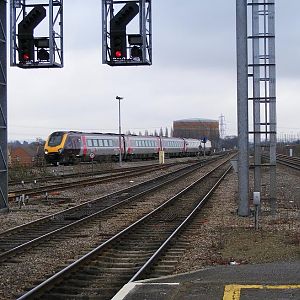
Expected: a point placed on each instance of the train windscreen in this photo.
(55, 139)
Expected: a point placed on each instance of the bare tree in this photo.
(161, 132)
(166, 132)
(172, 132)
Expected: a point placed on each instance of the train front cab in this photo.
(54, 147)
(62, 147)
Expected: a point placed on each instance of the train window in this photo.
(110, 143)
(89, 143)
(100, 143)
(105, 142)
(95, 143)
(55, 139)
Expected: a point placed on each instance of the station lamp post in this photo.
(120, 140)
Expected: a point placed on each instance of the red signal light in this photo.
(118, 54)
(26, 56)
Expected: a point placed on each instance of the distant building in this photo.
(197, 128)
(25, 154)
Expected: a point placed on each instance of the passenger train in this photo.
(70, 147)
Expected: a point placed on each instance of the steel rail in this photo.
(83, 182)
(188, 219)
(58, 277)
(15, 250)
(85, 174)
(291, 162)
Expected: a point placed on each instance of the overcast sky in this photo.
(193, 73)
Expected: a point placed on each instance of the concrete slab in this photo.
(276, 281)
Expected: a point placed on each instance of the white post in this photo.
(120, 140)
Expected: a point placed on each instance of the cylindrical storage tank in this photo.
(197, 128)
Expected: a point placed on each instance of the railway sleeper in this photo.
(86, 278)
(84, 283)
(139, 244)
(58, 296)
(125, 259)
(113, 269)
(128, 253)
(72, 290)
(109, 270)
(115, 264)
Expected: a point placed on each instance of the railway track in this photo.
(96, 179)
(20, 238)
(134, 252)
(292, 162)
(64, 175)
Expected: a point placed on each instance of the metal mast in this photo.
(262, 78)
(3, 109)
(222, 126)
(242, 106)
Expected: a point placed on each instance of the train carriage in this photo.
(141, 146)
(173, 147)
(205, 148)
(100, 147)
(192, 147)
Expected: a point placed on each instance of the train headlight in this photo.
(46, 151)
(60, 150)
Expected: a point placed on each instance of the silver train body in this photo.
(72, 147)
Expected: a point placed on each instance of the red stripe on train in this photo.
(84, 145)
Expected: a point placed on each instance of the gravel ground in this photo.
(38, 264)
(39, 207)
(218, 235)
